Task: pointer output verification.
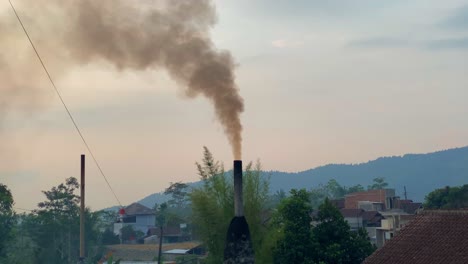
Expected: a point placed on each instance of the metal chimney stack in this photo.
(238, 248)
(238, 201)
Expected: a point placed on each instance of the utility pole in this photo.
(82, 211)
(406, 195)
(160, 244)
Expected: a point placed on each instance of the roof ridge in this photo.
(444, 211)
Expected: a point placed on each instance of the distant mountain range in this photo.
(420, 173)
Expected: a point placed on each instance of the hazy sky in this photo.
(335, 81)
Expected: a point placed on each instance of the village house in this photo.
(140, 217)
(380, 212)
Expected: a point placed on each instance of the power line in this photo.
(63, 103)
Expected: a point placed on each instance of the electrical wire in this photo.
(63, 103)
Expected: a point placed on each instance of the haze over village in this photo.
(360, 104)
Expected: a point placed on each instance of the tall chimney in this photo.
(238, 248)
(238, 201)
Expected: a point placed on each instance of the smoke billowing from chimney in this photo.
(131, 35)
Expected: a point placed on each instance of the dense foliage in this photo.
(7, 218)
(331, 190)
(448, 198)
(293, 222)
(50, 234)
(334, 240)
(326, 238)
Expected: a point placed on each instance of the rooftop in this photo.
(437, 236)
(138, 209)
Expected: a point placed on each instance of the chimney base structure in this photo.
(238, 248)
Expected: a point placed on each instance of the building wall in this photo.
(144, 222)
(354, 222)
(352, 200)
(117, 227)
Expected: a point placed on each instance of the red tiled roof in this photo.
(372, 216)
(352, 212)
(406, 201)
(138, 209)
(431, 237)
(411, 208)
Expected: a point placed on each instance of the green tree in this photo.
(355, 188)
(50, 234)
(255, 200)
(7, 218)
(128, 233)
(178, 192)
(335, 190)
(58, 219)
(447, 198)
(213, 205)
(293, 220)
(109, 237)
(331, 190)
(379, 183)
(21, 248)
(334, 240)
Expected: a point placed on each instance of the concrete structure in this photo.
(386, 197)
(380, 212)
(394, 221)
(353, 217)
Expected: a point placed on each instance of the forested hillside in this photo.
(420, 173)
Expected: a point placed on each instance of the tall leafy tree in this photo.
(21, 249)
(58, 217)
(178, 192)
(54, 227)
(378, 183)
(334, 240)
(255, 191)
(325, 238)
(7, 218)
(212, 206)
(295, 243)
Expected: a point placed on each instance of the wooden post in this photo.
(82, 211)
(160, 245)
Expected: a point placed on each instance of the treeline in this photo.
(448, 198)
(297, 227)
(50, 234)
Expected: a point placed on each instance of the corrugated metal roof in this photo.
(176, 251)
